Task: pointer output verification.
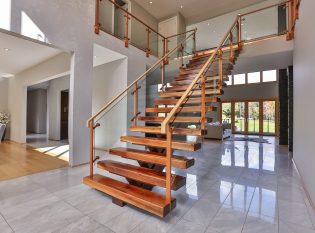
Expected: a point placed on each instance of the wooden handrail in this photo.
(192, 30)
(194, 82)
(137, 80)
(265, 8)
(136, 18)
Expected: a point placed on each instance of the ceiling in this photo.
(194, 11)
(17, 54)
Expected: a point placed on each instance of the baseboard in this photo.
(308, 196)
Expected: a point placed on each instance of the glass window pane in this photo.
(253, 117)
(253, 77)
(239, 115)
(269, 117)
(239, 79)
(229, 81)
(270, 76)
(226, 113)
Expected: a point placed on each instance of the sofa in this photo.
(218, 130)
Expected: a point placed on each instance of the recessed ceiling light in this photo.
(150, 2)
(208, 24)
(181, 6)
(95, 56)
(6, 49)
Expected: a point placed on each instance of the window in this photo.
(239, 79)
(229, 82)
(253, 77)
(270, 76)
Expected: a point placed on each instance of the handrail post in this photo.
(194, 41)
(97, 17)
(127, 30)
(168, 168)
(203, 102)
(166, 50)
(290, 20)
(181, 55)
(148, 50)
(231, 48)
(91, 127)
(220, 67)
(163, 74)
(135, 104)
(239, 31)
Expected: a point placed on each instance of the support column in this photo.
(80, 105)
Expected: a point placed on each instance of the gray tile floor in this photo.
(234, 187)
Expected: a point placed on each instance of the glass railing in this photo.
(119, 22)
(267, 22)
(129, 108)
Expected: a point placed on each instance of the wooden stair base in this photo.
(154, 203)
(157, 130)
(152, 157)
(161, 143)
(142, 174)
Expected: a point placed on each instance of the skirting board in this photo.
(308, 196)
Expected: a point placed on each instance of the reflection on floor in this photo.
(20, 160)
(57, 149)
(234, 187)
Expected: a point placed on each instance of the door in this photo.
(251, 117)
(253, 122)
(239, 117)
(64, 116)
(269, 117)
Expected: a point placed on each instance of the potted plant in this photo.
(4, 119)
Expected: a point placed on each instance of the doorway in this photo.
(64, 115)
(257, 117)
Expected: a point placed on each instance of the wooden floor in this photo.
(20, 160)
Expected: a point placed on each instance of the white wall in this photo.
(210, 32)
(3, 95)
(72, 31)
(50, 69)
(37, 111)
(304, 95)
(53, 103)
(108, 81)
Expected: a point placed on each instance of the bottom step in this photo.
(149, 201)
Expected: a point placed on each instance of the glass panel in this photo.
(119, 23)
(139, 34)
(239, 79)
(253, 117)
(226, 112)
(239, 116)
(270, 76)
(269, 117)
(253, 77)
(268, 22)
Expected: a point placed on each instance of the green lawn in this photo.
(253, 126)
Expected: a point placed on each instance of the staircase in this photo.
(180, 111)
(138, 191)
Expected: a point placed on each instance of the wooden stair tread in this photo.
(152, 157)
(168, 94)
(161, 143)
(181, 110)
(191, 100)
(154, 203)
(179, 119)
(142, 174)
(157, 130)
(197, 87)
